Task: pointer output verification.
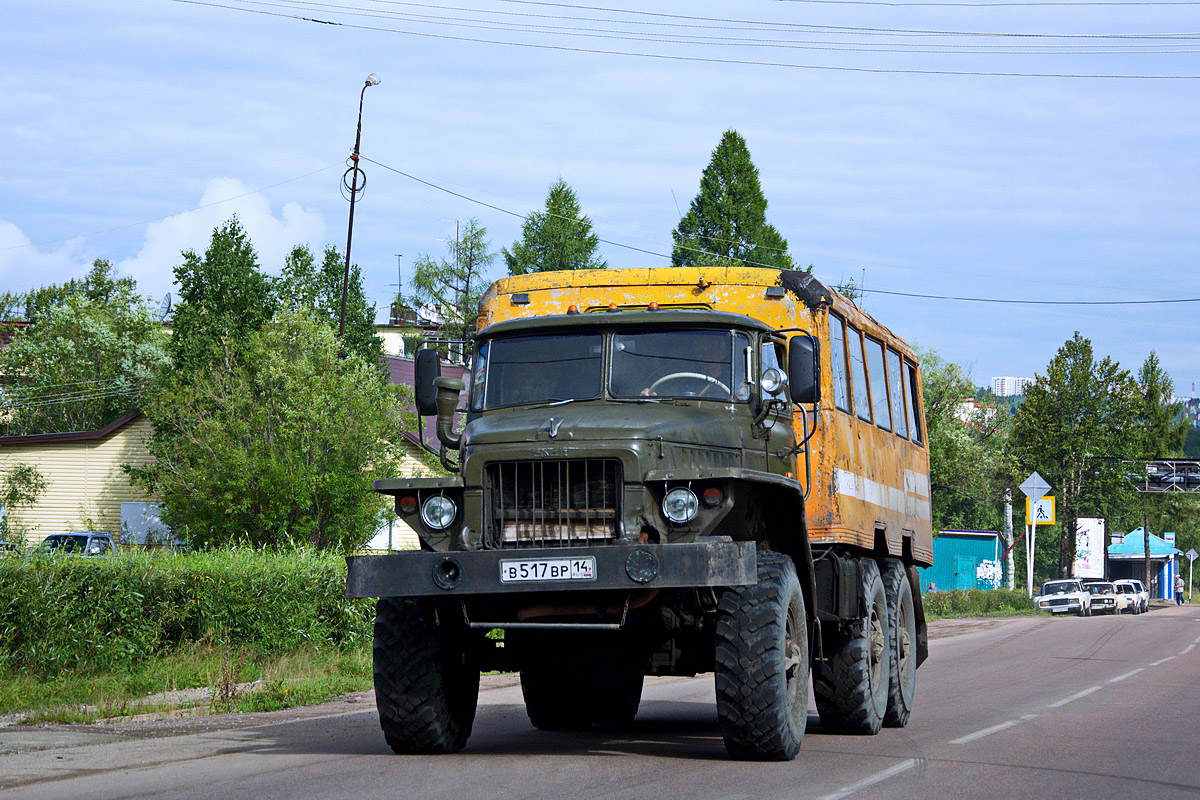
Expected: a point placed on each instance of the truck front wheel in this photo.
(762, 664)
(426, 676)
(851, 683)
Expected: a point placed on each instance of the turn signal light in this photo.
(407, 504)
(653, 306)
(572, 309)
(713, 496)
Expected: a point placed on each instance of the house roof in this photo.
(1134, 546)
(71, 436)
(402, 370)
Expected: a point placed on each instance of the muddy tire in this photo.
(426, 677)
(902, 643)
(572, 681)
(553, 701)
(851, 684)
(762, 664)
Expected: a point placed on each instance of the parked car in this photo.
(1106, 599)
(9, 549)
(83, 543)
(1135, 590)
(1065, 597)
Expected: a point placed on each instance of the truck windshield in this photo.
(680, 363)
(537, 369)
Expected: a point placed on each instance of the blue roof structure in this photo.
(1134, 546)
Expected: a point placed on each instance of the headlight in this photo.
(680, 505)
(773, 381)
(438, 512)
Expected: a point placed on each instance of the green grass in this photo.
(300, 677)
(977, 603)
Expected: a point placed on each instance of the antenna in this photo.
(164, 308)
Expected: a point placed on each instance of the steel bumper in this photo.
(643, 566)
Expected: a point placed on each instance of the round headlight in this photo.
(680, 505)
(773, 381)
(438, 511)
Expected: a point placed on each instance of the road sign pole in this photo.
(1035, 488)
(1191, 554)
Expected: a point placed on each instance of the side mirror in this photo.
(804, 369)
(448, 390)
(427, 366)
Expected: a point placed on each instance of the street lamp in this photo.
(353, 187)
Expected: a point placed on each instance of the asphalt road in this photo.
(1037, 707)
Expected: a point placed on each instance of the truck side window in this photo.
(895, 379)
(858, 374)
(914, 402)
(879, 396)
(477, 377)
(837, 349)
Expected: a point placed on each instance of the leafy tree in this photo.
(557, 238)
(726, 223)
(81, 365)
(449, 289)
(1161, 425)
(20, 485)
(223, 299)
(971, 464)
(276, 445)
(1191, 445)
(1074, 428)
(101, 284)
(304, 284)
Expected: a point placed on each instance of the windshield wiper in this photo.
(561, 401)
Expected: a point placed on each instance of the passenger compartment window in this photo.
(895, 379)
(858, 374)
(914, 402)
(878, 378)
(837, 349)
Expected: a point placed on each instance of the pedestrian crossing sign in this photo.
(1040, 512)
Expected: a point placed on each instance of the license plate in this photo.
(582, 568)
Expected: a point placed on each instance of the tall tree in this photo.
(305, 284)
(727, 221)
(223, 298)
(276, 444)
(80, 365)
(557, 238)
(1161, 424)
(1074, 428)
(101, 284)
(448, 290)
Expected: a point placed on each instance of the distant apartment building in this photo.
(1008, 386)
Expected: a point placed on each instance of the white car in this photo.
(1065, 596)
(1106, 599)
(1139, 598)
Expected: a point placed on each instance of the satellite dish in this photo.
(164, 308)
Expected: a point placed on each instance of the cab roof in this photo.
(672, 318)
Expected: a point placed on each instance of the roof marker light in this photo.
(572, 309)
(612, 308)
(653, 306)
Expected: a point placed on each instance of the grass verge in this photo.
(977, 603)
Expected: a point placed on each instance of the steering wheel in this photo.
(709, 381)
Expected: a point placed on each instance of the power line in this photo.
(693, 59)
(748, 262)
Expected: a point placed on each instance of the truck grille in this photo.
(551, 503)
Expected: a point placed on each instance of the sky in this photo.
(1000, 151)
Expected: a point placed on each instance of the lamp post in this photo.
(354, 187)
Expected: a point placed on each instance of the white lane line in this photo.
(970, 737)
(1161, 661)
(1187, 649)
(1074, 697)
(1120, 678)
(846, 791)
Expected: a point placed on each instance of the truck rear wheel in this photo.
(572, 680)
(762, 664)
(851, 684)
(902, 644)
(426, 677)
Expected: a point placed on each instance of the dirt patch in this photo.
(942, 628)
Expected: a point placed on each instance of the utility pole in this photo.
(354, 187)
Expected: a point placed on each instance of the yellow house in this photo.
(85, 484)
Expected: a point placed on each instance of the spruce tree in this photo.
(557, 238)
(726, 223)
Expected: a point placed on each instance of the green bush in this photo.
(977, 603)
(61, 613)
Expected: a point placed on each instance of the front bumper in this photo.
(626, 567)
(1071, 606)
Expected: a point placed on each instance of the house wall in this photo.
(402, 535)
(964, 560)
(85, 484)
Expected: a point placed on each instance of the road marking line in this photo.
(846, 791)
(1074, 697)
(1161, 661)
(1187, 649)
(970, 737)
(1120, 678)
